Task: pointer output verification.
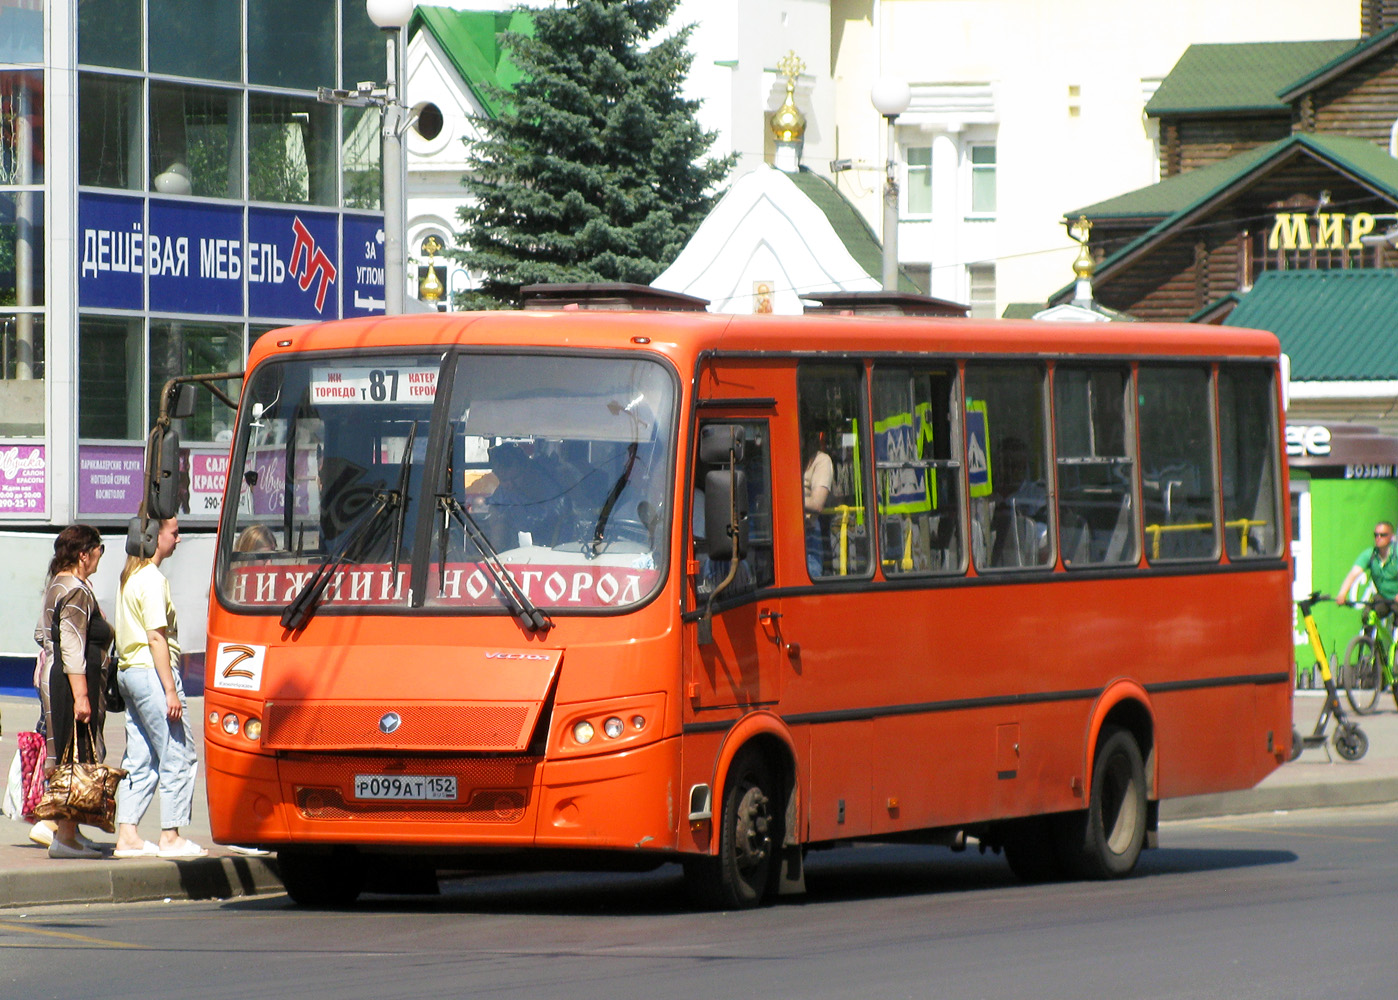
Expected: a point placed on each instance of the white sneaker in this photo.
(41, 834)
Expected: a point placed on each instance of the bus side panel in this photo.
(951, 767)
(841, 757)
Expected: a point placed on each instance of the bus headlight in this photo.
(252, 729)
(230, 724)
(610, 726)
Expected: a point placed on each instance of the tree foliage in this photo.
(596, 169)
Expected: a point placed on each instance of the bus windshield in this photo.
(548, 486)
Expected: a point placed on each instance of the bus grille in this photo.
(489, 791)
(486, 805)
(358, 726)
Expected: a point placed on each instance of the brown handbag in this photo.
(85, 793)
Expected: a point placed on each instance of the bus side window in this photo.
(1177, 463)
(757, 568)
(1247, 428)
(836, 521)
(1093, 446)
(1010, 506)
(917, 463)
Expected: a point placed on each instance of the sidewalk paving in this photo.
(28, 877)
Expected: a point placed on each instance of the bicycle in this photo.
(1368, 662)
(1349, 740)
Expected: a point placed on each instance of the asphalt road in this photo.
(1285, 905)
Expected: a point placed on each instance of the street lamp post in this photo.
(890, 98)
(392, 16)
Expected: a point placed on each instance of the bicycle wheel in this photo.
(1362, 674)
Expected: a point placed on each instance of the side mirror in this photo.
(721, 490)
(182, 402)
(140, 536)
(716, 441)
(163, 490)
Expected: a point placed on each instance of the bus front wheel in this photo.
(1105, 840)
(744, 871)
(320, 879)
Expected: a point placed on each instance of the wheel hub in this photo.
(753, 829)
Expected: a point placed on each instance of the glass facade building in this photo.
(170, 190)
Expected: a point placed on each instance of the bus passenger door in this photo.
(740, 665)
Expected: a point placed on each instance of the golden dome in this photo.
(789, 124)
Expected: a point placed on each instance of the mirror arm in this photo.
(207, 381)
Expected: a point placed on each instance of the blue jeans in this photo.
(158, 753)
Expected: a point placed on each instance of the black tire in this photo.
(1297, 744)
(1350, 741)
(1362, 674)
(320, 879)
(1105, 840)
(745, 870)
(1033, 851)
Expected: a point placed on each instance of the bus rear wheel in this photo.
(744, 871)
(321, 879)
(1105, 840)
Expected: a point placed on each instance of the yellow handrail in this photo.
(1243, 524)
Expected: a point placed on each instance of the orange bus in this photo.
(586, 588)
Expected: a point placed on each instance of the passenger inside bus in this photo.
(1019, 523)
(529, 506)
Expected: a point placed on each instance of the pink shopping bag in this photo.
(31, 770)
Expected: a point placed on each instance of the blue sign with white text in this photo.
(363, 257)
(194, 258)
(112, 251)
(292, 266)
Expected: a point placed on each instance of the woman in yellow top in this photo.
(159, 747)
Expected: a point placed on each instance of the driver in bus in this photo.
(529, 506)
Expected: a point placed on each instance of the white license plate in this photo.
(422, 787)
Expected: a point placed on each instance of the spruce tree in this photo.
(596, 168)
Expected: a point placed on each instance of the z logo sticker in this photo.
(238, 667)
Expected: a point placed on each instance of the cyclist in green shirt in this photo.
(1381, 564)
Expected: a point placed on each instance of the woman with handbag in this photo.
(159, 747)
(75, 638)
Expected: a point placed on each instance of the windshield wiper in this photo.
(514, 596)
(600, 529)
(303, 605)
(404, 468)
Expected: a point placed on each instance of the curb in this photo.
(135, 881)
(1363, 792)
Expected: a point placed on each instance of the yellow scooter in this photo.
(1349, 740)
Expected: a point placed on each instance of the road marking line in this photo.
(1292, 832)
(82, 938)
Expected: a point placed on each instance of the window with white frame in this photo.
(982, 159)
(919, 180)
(981, 280)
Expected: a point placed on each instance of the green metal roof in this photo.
(469, 39)
(854, 232)
(1356, 54)
(1336, 325)
(1176, 193)
(1358, 157)
(1241, 76)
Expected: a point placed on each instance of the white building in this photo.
(1020, 110)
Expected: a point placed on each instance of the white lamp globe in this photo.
(389, 13)
(891, 97)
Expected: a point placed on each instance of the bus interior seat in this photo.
(1121, 533)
